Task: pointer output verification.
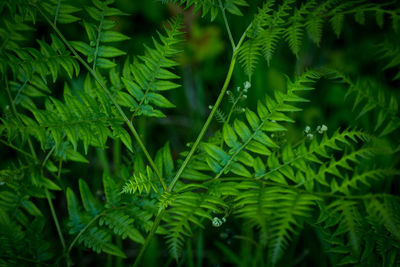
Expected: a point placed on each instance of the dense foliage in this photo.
(294, 161)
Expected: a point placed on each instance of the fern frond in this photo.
(390, 52)
(141, 182)
(62, 12)
(122, 225)
(349, 222)
(387, 214)
(255, 138)
(314, 28)
(363, 178)
(99, 241)
(151, 74)
(211, 6)
(96, 52)
(31, 66)
(295, 163)
(277, 212)
(294, 34)
(79, 118)
(270, 38)
(368, 97)
(249, 54)
(186, 209)
(293, 208)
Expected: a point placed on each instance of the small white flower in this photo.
(244, 96)
(217, 222)
(238, 88)
(245, 90)
(324, 128)
(307, 129)
(223, 220)
(210, 107)
(228, 92)
(310, 136)
(318, 128)
(247, 85)
(243, 109)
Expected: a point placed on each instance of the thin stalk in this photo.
(33, 152)
(212, 113)
(150, 236)
(117, 157)
(103, 160)
(108, 93)
(48, 156)
(228, 29)
(18, 149)
(206, 124)
(193, 149)
(82, 231)
(53, 213)
(117, 173)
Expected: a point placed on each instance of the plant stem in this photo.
(228, 29)
(18, 149)
(194, 147)
(53, 213)
(108, 93)
(82, 231)
(149, 236)
(206, 124)
(117, 157)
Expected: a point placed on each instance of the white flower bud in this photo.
(228, 92)
(310, 136)
(324, 128)
(244, 96)
(307, 129)
(247, 85)
(210, 107)
(216, 222)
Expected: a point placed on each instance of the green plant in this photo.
(71, 102)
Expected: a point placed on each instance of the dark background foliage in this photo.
(204, 58)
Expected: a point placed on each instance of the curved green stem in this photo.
(108, 93)
(53, 213)
(194, 147)
(82, 231)
(228, 29)
(149, 236)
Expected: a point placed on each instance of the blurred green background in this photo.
(204, 62)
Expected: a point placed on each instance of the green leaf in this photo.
(159, 100)
(112, 36)
(242, 130)
(31, 208)
(109, 51)
(113, 250)
(229, 136)
(111, 190)
(88, 200)
(82, 47)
